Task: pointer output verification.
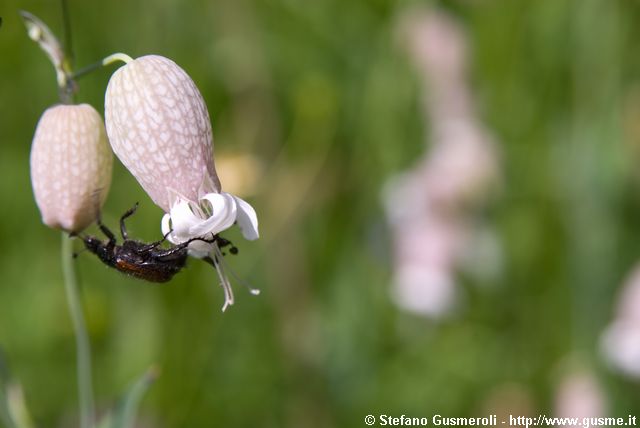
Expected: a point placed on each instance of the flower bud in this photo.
(70, 166)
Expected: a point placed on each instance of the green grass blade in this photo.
(16, 404)
(124, 414)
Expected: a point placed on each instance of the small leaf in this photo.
(41, 34)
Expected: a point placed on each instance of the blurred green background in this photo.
(314, 106)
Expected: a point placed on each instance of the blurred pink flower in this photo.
(424, 289)
(462, 165)
(425, 247)
(436, 44)
(620, 342)
(430, 208)
(579, 395)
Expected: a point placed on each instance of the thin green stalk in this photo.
(83, 349)
(66, 19)
(102, 63)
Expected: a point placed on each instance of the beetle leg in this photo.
(109, 234)
(182, 246)
(168, 252)
(123, 228)
(208, 241)
(153, 245)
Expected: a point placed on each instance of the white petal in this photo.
(247, 220)
(200, 249)
(182, 223)
(223, 208)
(166, 227)
(182, 218)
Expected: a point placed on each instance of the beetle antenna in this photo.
(77, 235)
(77, 253)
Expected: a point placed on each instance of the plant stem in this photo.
(68, 46)
(103, 63)
(118, 56)
(83, 349)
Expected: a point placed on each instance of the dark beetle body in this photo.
(142, 260)
(137, 259)
(151, 265)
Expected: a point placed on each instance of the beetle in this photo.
(147, 261)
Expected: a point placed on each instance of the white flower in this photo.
(214, 213)
(159, 127)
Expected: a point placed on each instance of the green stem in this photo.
(119, 56)
(68, 46)
(105, 62)
(83, 349)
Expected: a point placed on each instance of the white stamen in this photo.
(224, 281)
